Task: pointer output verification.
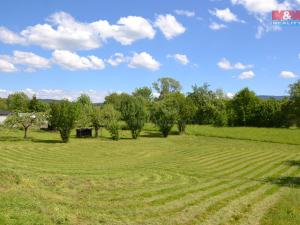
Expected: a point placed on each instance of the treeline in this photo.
(170, 108)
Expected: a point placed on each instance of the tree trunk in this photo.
(25, 132)
(96, 132)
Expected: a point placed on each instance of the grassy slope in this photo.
(278, 135)
(152, 180)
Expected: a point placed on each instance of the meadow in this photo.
(208, 176)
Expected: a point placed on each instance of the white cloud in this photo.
(230, 95)
(127, 30)
(186, 13)
(63, 32)
(225, 64)
(31, 60)
(72, 61)
(9, 37)
(116, 59)
(225, 15)
(288, 74)
(6, 66)
(181, 58)
(58, 94)
(169, 26)
(217, 26)
(262, 7)
(143, 60)
(246, 75)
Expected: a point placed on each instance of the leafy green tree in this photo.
(115, 99)
(3, 104)
(134, 112)
(243, 107)
(185, 109)
(85, 108)
(294, 92)
(63, 116)
(144, 92)
(266, 113)
(18, 102)
(207, 103)
(164, 115)
(97, 119)
(24, 121)
(111, 119)
(36, 105)
(166, 85)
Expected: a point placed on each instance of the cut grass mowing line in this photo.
(247, 139)
(220, 190)
(234, 211)
(223, 176)
(223, 204)
(178, 180)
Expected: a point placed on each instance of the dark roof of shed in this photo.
(4, 112)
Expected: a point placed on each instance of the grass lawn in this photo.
(210, 176)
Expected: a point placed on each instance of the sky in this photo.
(61, 48)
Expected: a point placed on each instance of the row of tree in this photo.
(171, 107)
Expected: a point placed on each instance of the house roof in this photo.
(4, 112)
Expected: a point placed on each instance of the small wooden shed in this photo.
(83, 132)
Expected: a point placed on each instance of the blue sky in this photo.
(58, 49)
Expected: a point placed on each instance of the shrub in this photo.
(63, 116)
(111, 120)
(164, 115)
(134, 112)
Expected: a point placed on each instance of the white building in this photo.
(3, 115)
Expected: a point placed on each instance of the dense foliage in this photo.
(24, 121)
(111, 119)
(134, 113)
(63, 116)
(165, 108)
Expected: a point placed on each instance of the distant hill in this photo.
(272, 96)
(49, 100)
(55, 100)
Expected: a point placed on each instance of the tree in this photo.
(294, 92)
(97, 119)
(266, 113)
(18, 102)
(85, 108)
(36, 105)
(166, 85)
(243, 108)
(185, 109)
(207, 103)
(134, 112)
(24, 121)
(115, 99)
(63, 116)
(3, 104)
(111, 120)
(164, 115)
(144, 92)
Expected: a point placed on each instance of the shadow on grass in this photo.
(151, 134)
(293, 162)
(286, 181)
(292, 182)
(156, 134)
(46, 141)
(12, 139)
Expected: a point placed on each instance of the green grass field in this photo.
(209, 176)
